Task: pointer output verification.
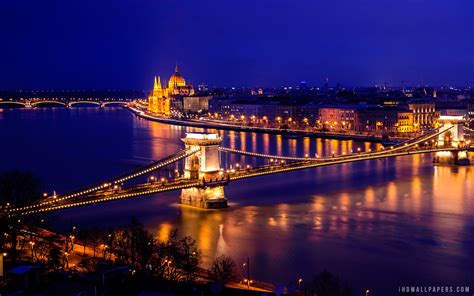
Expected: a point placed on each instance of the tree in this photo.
(87, 265)
(325, 284)
(224, 269)
(18, 187)
(189, 257)
(84, 235)
(175, 259)
(15, 188)
(54, 258)
(95, 237)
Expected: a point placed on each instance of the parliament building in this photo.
(162, 97)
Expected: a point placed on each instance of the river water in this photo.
(377, 224)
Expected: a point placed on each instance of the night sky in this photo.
(121, 44)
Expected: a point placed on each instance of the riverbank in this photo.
(284, 132)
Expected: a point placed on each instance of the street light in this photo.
(367, 292)
(299, 283)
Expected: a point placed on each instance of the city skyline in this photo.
(119, 45)
(267, 147)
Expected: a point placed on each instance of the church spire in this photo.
(159, 83)
(176, 68)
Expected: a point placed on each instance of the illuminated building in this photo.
(338, 117)
(405, 122)
(425, 116)
(470, 114)
(385, 120)
(160, 100)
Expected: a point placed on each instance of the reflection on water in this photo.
(378, 224)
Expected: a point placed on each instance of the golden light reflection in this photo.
(416, 160)
(266, 143)
(254, 141)
(344, 201)
(306, 146)
(161, 145)
(370, 199)
(164, 231)
(292, 148)
(279, 144)
(449, 189)
(319, 147)
(415, 201)
(232, 136)
(243, 141)
(317, 204)
(367, 146)
(391, 199)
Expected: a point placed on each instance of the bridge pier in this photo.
(203, 165)
(451, 157)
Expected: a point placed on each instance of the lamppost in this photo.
(32, 245)
(72, 242)
(2, 258)
(247, 264)
(367, 292)
(300, 281)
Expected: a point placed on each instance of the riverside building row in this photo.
(177, 98)
(414, 117)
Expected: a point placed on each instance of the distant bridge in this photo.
(66, 102)
(203, 180)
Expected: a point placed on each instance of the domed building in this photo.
(176, 79)
(162, 99)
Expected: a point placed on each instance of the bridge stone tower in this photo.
(204, 165)
(453, 137)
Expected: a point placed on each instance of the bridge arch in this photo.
(12, 103)
(114, 103)
(193, 166)
(84, 102)
(47, 102)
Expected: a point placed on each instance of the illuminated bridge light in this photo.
(277, 167)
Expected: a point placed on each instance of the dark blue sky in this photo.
(122, 44)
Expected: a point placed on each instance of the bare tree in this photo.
(224, 269)
(16, 188)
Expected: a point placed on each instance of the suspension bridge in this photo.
(203, 181)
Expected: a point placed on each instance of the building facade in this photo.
(470, 114)
(425, 116)
(340, 117)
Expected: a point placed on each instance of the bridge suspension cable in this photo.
(117, 180)
(286, 167)
(468, 129)
(129, 193)
(230, 150)
(398, 147)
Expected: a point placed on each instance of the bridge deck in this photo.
(105, 192)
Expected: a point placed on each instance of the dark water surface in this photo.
(378, 224)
